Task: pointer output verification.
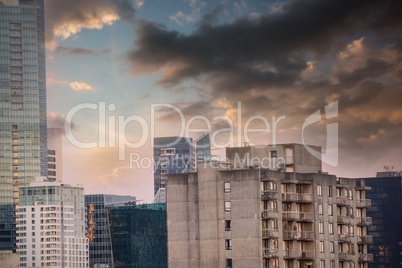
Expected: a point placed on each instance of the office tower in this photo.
(139, 235)
(100, 245)
(23, 154)
(386, 215)
(172, 155)
(51, 225)
(203, 148)
(266, 207)
(54, 154)
(177, 155)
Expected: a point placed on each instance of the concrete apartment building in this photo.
(246, 214)
(51, 225)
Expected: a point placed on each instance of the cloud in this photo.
(291, 60)
(56, 120)
(80, 51)
(78, 86)
(67, 18)
(50, 80)
(139, 3)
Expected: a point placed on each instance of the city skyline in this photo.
(278, 58)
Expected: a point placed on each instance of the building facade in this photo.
(51, 225)
(23, 154)
(98, 228)
(139, 235)
(290, 215)
(172, 155)
(386, 216)
(54, 154)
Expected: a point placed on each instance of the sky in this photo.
(268, 62)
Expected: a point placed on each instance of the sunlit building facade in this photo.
(23, 148)
(51, 225)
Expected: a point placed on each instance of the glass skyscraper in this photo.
(386, 214)
(23, 149)
(100, 245)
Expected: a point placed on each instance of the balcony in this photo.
(269, 214)
(342, 201)
(364, 221)
(346, 256)
(297, 216)
(363, 203)
(269, 195)
(289, 197)
(270, 233)
(270, 252)
(298, 235)
(343, 219)
(299, 254)
(305, 198)
(365, 257)
(345, 238)
(365, 239)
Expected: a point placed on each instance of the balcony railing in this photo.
(298, 235)
(305, 197)
(299, 254)
(346, 256)
(270, 233)
(269, 195)
(297, 216)
(365, 257)
(364, 221)
(341, 219)
(270, 252)
(342, 201)
(289, 197)
(269, 214)
(363, 203)
(365, 239)
(344, 237)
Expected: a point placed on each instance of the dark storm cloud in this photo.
(263, 52)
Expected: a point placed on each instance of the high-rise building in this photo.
(267, 206)
(23, 153)
(51, 225)
(54, 154)
(98, 228)
(386, 216)
(172, 155)
(139, 235)
(177, 155)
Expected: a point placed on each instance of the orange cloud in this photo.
(80, 86)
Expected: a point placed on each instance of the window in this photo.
(228, 244)
(320, 210)
(321, 227)
(351, 212)
(33, 209)
(331, 247)
(332, 264)
(350, 195)
(33, 221)
(352, 231)
(322, 263)
(331, 228)
(228, 226)
(227, 187)
(274, 154)
(322, 246)
(319, 190)
(228, 263)
(228, 206)
(330, 210)
(329, 191)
